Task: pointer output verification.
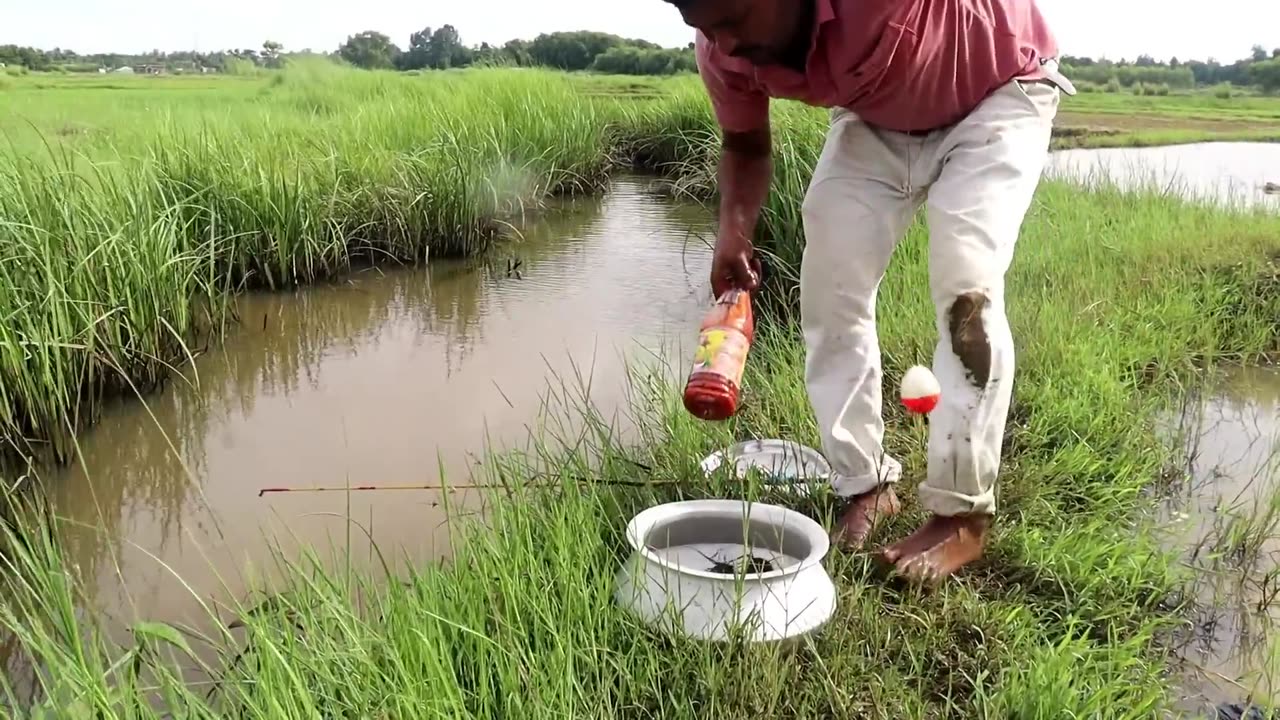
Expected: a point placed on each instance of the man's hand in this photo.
(734, 265)
(745, 169)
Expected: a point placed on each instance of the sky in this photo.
(1110, 28)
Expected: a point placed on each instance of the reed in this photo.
(1116, 298)
(118, 258)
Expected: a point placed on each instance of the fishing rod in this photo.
(361, 488)
(482, 486)
(451, 488)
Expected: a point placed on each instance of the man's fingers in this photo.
(747, 272)
(720, 285)
(723, 278)
(741, 271)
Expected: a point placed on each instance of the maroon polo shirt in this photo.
(906, 65)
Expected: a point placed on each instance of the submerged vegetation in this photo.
(122, 242)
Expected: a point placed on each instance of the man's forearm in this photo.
(745, 170)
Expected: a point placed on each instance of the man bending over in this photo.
(949, 103)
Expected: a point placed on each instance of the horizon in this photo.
(135, 27)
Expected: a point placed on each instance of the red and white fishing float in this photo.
(920, 390)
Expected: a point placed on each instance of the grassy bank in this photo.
(1094, 132)
(121, 243)
(53, 107)
(1088, 119)
(1114, 298)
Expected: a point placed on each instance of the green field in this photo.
(55, 106)
(129, 212)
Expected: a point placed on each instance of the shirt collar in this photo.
(825, 12)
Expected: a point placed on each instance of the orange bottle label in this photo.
(721, 351)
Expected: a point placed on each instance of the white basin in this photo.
(676, 578)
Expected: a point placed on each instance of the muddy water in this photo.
(398, 377)
(1224, 516)
(1231, 173)
(390, 377)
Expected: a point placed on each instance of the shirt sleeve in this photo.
(740, 104)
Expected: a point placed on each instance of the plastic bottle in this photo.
(711, 392)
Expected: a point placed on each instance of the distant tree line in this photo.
(442, 48)
(428, 49)
(1260, 68)
(271, 54)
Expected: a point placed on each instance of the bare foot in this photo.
(859, 519)
(939, 548)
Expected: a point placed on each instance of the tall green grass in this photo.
(1062, 619)
(1115, 298)
(113, 258)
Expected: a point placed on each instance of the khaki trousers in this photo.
(977, 179)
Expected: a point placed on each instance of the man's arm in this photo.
(745, 168)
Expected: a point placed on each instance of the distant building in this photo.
(187, 66)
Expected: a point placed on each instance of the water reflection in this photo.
(386, 378)
(1228, 173)
(1226, 518)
